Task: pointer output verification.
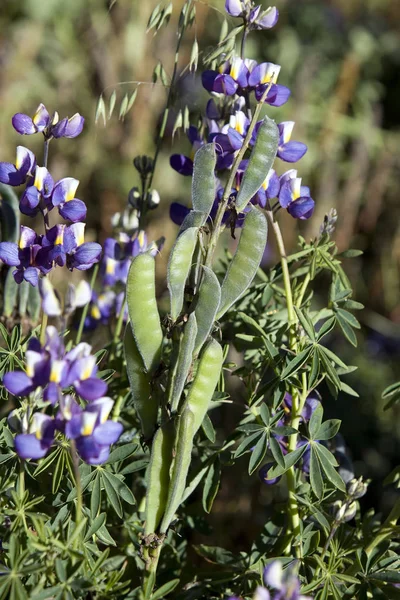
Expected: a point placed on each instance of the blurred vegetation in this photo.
(341, 59)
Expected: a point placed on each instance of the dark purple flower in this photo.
(232, 78)
(24, 256)
(37, 442)
(49, 126)
(63, 196)
(295, 197)
(263, 475)
(255, 17)
(81, 255)
(289, 151)
(23, 168)
(41, 189)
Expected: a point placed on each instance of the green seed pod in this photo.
(205, 382)
(246, 260)
(184, 361)
(206, 308)
(179, 264)
(145, 406)
(157, 476)
(261, 160)
(203, 182)
(194, 219)
(143, 311)
(180, 467)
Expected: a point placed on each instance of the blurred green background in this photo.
(341, 59)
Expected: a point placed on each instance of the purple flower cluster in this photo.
(68, 382)
(232, 86)
(61, 245)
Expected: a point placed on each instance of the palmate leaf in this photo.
(329, 470)
(316, 480)
(258, 453)
(247, 443)
(165, 589)
(211, 485)
(306, 323)
(297, 362)
(290, 460)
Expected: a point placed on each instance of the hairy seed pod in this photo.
(206, 308)
(246, 260)
(180, 466)
(143, 311)
(261, 160)
(184, 361)
(179, 264)
(205, 382)
(145, 406)
(157, 476)
(203, 182)
(193, 219)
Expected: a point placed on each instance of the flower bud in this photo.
(153, 199)
(340, 510)
(357, 488)
(134, 197)
(350, 513)
(143, 164)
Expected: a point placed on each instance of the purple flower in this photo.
(27, 256)
(101, 308)
(256, 18)
(263, 475)
(38, 366)
(289, 151)
(90, 428)
(37, 442)
(232, 78)
(16, 174)
(49, 126)
(40, 189)
(285, 584)
(63, 196)
(80, 255)
(263, 76)
(295, 197)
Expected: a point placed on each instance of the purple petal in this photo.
(25, 161)
(302, 208)
(108, 433)
(28, 446)
(91, 388)
(269, 18)
(74, 210)
(234, 7)
(18, 383)
(23, 124)
(59, 130)
(74, 126)
(178, 212)
(52, 393)
(31, 275)
(182, 164)
(277, 96)
(9, 254)
(90, 451)
(10, 175)
(30, 201)
(291, 152)
(41, 117)
(286, 194)
(64, 190)
(86, 255)
(27, 237)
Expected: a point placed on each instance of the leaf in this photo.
(329, 469)
(264, 414)
(326, 327)
(120, 487)
(95, 496)
(258, 453)
(96, 524)
(246, 443)
(165, 589)
(315, 421)
(208, 429)
(121, 453)
(9, 214)
(290, 460)
(314, 372)
(211, 485)
(330, 371)
(277, 452)
(260, 162)
(328, 429)
(296, 363)
(306, 323)
(347, 330)
(111, 494)
(252, 323)
(316, 481)
(350, 318)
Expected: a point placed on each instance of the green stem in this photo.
(78, 484)
(21, 478)
(120, 322)
(217, 228)
(151, 557)
(43, 328)
(86, 307)
(297, 402)
(303, 290)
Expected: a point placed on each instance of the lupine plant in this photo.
(109, 455)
